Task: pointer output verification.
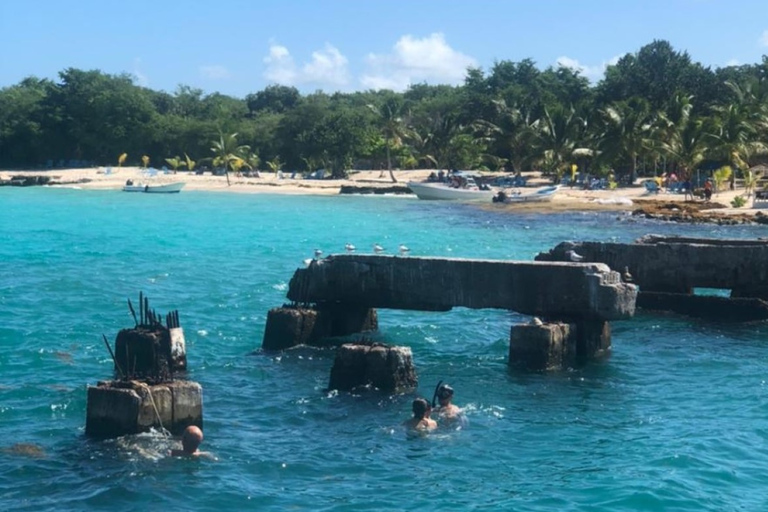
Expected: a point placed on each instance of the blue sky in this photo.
(241, 46)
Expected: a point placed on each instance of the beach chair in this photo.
(651, 187)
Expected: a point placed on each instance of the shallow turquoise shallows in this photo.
(676, 418)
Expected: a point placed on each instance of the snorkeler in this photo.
(448, 413)
(421, 421)
(190, 441)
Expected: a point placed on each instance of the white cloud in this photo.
(732, 62)
(327, 67)
(141, 78)
(214, 72)
(593, 73)
(764, 38)
(280, 66)
(413, 60)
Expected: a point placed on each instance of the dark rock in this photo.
(292, 326)
(383, 367)
(357, 189)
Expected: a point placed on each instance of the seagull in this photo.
(573, 256)
(626, 276)
(404, 250)
(350, 248)
(536, 321)
(318, 254)
(378, 249)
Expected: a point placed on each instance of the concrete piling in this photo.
(384, 367)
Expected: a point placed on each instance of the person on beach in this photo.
(708, 190)
(421, 422)
(448, 413)
(190, 442)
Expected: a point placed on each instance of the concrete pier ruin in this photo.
(144, 393)
(668, 269)
(383, 367)
(584, 295)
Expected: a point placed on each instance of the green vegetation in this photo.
(656, 110)
(738, 202)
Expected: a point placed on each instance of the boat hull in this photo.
(442, 192)
(169, 188)
(540, 196)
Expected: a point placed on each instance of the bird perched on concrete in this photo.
(626, 276)
(536, 321)
(350, 248)
(404, 250)
(573, 256)
(318, 254)
(378, 249)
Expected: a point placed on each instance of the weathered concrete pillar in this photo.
(150, 352)
(117, 408)
(593, 339)
(178, 349)
(550, 346)
(713, 308)
(557, 345)
(384, 367)
(291, 326)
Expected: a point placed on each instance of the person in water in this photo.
(190, 442)
(421, 421)
(447, 412)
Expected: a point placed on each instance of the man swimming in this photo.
(448, 413)
(421, 422)
(190, 442)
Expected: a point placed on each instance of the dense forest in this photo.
(654, 109)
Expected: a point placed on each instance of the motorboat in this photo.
(541, 195)
(469, 191)
(166, 188)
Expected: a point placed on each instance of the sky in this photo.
(237, 47)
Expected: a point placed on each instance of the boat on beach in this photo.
(443, 191)
(542, 195)
(167, 188)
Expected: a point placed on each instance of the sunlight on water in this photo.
(675, 419)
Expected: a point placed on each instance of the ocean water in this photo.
(675, 419)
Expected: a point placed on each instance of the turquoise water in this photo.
(675, 419)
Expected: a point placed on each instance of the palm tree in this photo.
(227, 152)
(626, 131)
(683, 137)
(514, 132)
(735, 133)
(175, 163)
(558, 139)
(189, 163)
(687, 145)
(392, 126)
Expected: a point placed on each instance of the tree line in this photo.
(655, 109)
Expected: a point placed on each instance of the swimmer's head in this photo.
(420, 408)
(191, 439)
(444, 393)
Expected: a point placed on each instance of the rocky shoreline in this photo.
(38, 180)
(694, 212)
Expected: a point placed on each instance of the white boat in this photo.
(539, 196)
(167, 188)
(438, 190)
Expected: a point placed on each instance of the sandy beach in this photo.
(567, 199)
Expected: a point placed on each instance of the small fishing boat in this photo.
(539, 196)
(167, 188)
(443, 191)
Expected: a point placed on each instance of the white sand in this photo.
(566, 199)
